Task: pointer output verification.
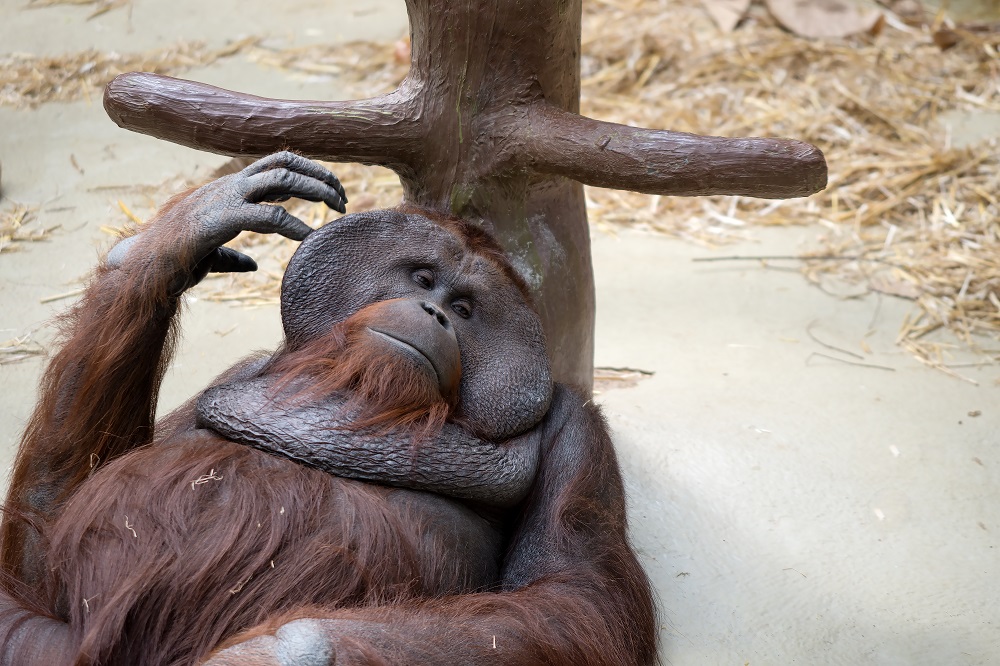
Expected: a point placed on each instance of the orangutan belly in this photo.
(191, 541)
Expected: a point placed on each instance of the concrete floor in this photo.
(789, 508)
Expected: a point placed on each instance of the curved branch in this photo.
(663, 162)
(380, 130)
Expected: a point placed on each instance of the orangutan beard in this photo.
(385, 389)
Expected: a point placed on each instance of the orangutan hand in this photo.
(203, 220)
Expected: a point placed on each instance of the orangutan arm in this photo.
(317, 433)
(98, 395)
(573, 592)
(31, 637)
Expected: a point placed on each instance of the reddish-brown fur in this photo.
(383, 388)
(185, 564)
(189, 568)
(119, 335)
(591, 607)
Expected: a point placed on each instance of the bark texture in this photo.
(486, 127)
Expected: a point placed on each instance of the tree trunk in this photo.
(485, 126)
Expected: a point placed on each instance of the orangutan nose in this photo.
(436, 312)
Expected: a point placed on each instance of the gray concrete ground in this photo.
(789, 508)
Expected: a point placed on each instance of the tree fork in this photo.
(486, 126)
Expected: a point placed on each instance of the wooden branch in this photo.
(379, 131)
(663, 162)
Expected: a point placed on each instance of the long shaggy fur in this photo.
(120, 335)
(169, 551)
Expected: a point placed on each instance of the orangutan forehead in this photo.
(457, 254)
(478, 267)
(478, 272)
(472, 257)
(490, 267)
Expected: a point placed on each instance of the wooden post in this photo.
(486, 126)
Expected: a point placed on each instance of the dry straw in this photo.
(907, 213)
(19, 349)
(29, 80)
(17, 228)
(100, 6)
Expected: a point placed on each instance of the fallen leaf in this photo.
(818, 19)
(946, 39)
(726, 13)
(892, 286)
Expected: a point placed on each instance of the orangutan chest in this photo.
(205, 535)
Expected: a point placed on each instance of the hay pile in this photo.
(906, 212)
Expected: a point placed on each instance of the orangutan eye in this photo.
(462, 308)
(424, 278)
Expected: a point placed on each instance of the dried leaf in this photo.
(893, 286)
(726, 13)
(946, 39)
(819, 19)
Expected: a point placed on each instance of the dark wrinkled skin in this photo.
(228, 206)
(394, 246)
(455, 464)
(458, 464)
